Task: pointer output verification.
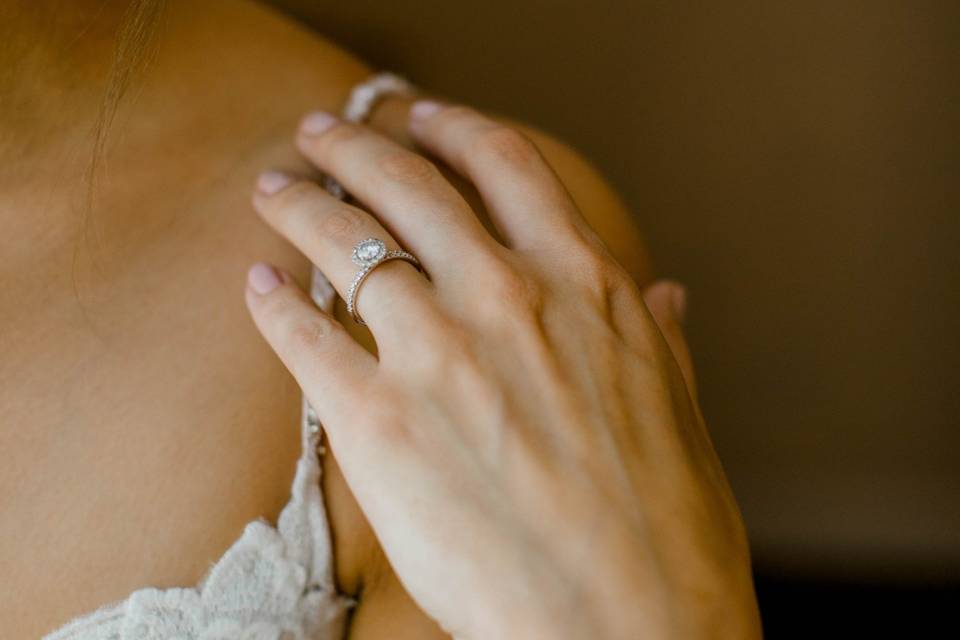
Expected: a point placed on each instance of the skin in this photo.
(526, 443)
(143, 422)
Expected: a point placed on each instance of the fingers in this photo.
(331, 368)
(326, 230)
(406, 191)
(666, 302)
(526, 201)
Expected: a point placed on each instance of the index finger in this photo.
(524, 196)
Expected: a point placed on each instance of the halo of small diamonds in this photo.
(368, 252)
(368, 255)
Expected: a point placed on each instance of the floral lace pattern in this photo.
(272, 584)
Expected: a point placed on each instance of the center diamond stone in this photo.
(369, 251)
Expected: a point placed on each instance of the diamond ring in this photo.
(368, 255)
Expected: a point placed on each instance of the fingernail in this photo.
(269, 182)
(316, 123)
(423, 109)
(263, 278)
(678, 298)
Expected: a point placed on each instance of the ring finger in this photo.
(407, 192)
(326, 230)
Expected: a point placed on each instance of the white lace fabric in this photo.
(273, 583)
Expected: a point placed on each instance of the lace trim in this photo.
(272, 584)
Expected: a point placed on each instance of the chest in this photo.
(143, 421)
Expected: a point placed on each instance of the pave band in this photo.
(368, 255)
(363, 99)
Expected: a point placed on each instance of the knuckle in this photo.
(507, 145)
(594, 268)
(619, 279)
(341, 134)
(406, 167)
(293, 329)
(511, 294)
(338, 222)
(309, 334)
(520, 292)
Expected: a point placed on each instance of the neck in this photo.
(222, 80)
(66, 66)
(56, 65)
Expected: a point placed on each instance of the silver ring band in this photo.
(370, 254)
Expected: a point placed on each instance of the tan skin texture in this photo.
(143, 421)
(527, 444)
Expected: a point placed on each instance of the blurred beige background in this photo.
(797, 165)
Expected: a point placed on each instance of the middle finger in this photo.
(406, 192)
(327, 230)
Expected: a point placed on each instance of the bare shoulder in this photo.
(145, 419)
(143, 422)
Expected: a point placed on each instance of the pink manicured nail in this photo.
(269, 182)
(263, 278)
(423, 109)
(317, 122)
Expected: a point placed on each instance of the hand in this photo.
(527, 444)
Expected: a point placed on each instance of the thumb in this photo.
(667, 302)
